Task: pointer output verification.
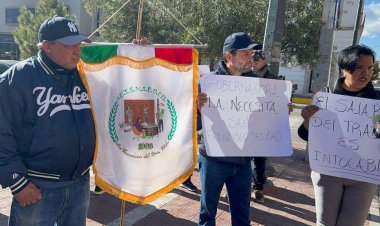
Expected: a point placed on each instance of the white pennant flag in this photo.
(143, 100)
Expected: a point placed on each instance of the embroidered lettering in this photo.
(45, 99)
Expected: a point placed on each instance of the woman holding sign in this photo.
(341, 201)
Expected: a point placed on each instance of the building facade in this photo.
(343, 23)
(9, 11)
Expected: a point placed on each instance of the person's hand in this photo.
(306, 114)
(290, 108)
(29, 195)
(201, 100)
(143, 41)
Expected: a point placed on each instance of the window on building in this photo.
(6, 38)
(8, 47)
(11, 15)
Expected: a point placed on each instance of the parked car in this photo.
(5, 64)
(376, 84)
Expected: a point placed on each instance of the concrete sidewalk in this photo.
(289, 201)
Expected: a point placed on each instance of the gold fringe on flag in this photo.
(120, 60)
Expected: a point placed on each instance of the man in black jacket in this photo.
(235, 172)
(47, 133)
(259, 65)
(260, 69)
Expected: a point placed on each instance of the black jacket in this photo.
(264, 73)
(367, 92)
(46, 125)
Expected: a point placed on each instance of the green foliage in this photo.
(26, 34)
(376, 71)
(211, 21)
(303, 24)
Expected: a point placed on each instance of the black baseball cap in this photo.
(62, 30)
(237, 41)
(258, 46)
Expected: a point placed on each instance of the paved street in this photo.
(289, 199)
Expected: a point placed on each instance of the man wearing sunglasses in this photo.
(260, 69)
(259, 65)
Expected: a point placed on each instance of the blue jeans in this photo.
(238, 179)
(66, 205)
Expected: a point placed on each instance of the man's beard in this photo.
(245, 70)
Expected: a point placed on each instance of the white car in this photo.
(5, 64)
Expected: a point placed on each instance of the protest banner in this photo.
(143, 101)
(341, 138)
(246, 116)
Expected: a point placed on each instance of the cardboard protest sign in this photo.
(246, 116)
(341, 138)
(203, 69)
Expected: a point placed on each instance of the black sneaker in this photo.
(258, 196)
(97, 191)
(189, 186)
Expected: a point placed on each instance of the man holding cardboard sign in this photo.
(235, 172)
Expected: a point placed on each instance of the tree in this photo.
(211, 21)
(303, 25)
(376, 71)
(219, 18)
(26, 34)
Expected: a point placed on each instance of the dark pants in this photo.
(237, 178)
(259, 173)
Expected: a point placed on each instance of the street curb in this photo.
(299, 100)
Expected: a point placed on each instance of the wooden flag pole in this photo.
(122, 213)
(203, 46)
(139, 19)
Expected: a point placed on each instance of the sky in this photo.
(371, 33)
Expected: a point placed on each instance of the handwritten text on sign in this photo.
(246, 116)
(341, 139)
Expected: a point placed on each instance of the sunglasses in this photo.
(258, 54)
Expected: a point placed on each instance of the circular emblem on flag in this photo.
(142, 126)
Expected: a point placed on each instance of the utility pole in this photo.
(321, 76)
(359, 20)
(274, 30)
(273, 34)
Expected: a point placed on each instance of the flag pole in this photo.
(122, 213)
(154, 45)
(139, 19)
